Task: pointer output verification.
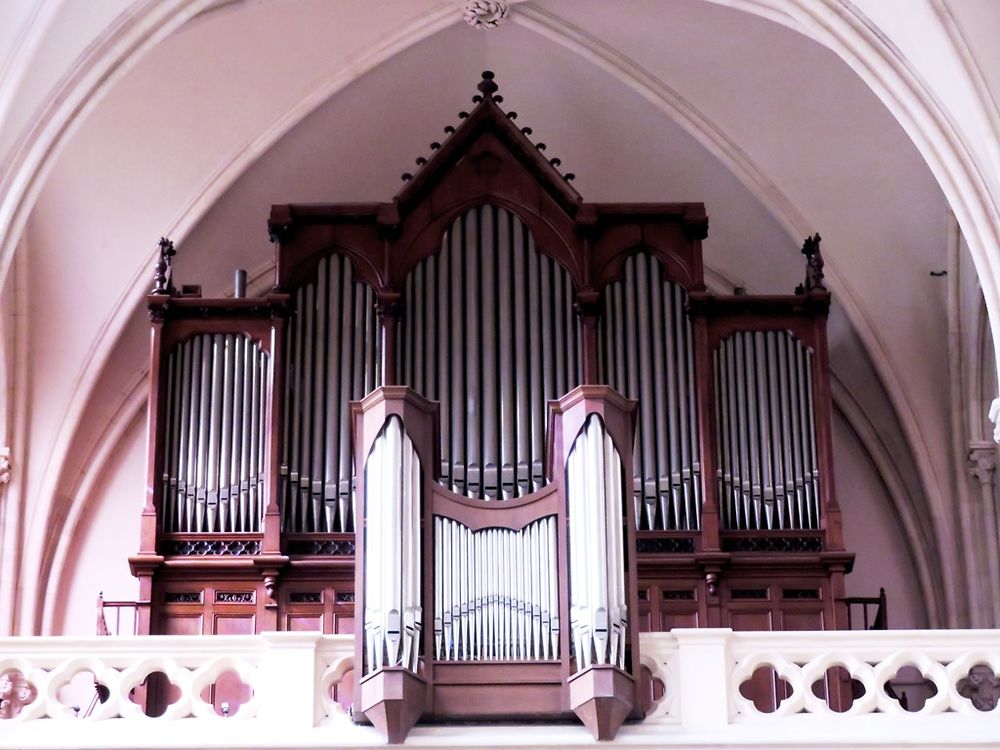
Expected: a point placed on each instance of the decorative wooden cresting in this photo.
(494, 431)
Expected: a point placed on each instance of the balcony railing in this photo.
(817, 689)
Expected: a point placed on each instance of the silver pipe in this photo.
(226, 433)
(323, 512)
(459, 344)
(753, 421)
(660, 329)
(724, 475)
(491, 404)
(235, 432)
(803, 434)
(534, 262)
(211, 410)
(774, 423)
(308, 514)
(331, 316)
(257, 382)
(170, 440)
(525, 379)
(473, 343)
(175, 520)
(647, 405)
(348, 319)
(246, 434)
(811, 436)
(787, 479)
(694, 443)
(445, 357)
(240, 283)
(294, 438)
(508, 422)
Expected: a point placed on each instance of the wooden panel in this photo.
(304, 623)
(171, 624)
(802, 620)
(750, 619)
(670, 620)
(344, 624)
(242, 624)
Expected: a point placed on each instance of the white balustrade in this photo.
(292, 678)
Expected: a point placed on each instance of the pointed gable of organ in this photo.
(492, 430)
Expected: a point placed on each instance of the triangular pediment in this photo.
(487, 144)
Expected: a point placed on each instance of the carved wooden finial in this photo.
(814, 265)
(488, 87)
(163, 276)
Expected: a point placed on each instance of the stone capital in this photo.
(983, 461)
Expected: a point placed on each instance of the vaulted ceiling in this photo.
(218, 109)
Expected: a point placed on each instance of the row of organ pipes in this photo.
(496, 592)
(216, 409)
(768, 474)
(332, 359)
(489, 331)
(597, 597)
(493, 407)
(393, 617)
(648, 356)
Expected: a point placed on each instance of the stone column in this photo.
(982, 465)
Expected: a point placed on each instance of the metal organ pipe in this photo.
(332, 358)
(213, 465)
(768, 470)
(500, 342)
(646, 354)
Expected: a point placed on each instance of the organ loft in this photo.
(494, 431)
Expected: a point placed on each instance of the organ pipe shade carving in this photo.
(768, 476)
(393, 614)
(214, 437)
(489, 331)
(646, 353)
(332, 359)
(594, 493)
(495, 592)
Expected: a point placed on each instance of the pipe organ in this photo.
(494, 431)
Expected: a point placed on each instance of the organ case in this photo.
(506, 428)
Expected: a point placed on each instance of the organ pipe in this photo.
(500, 342)
(213, 464)
(647, 354)
(594, 492)
(393, 609)
(332, 358)
(768, 473)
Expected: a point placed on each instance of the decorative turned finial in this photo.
(488, 87)
(485, 14)
(163, 278)
(814, 265)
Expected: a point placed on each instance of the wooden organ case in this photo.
(495, 431)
